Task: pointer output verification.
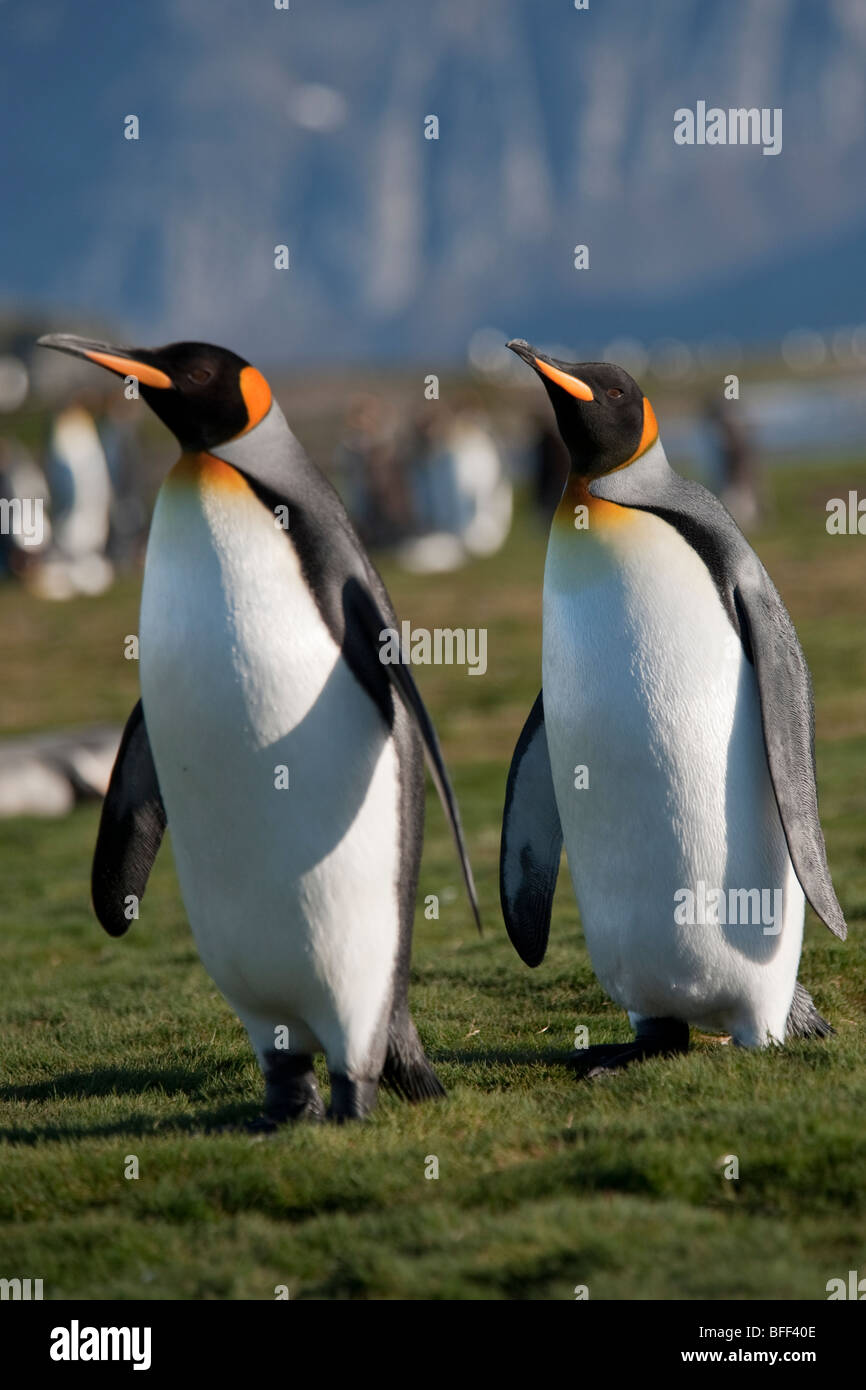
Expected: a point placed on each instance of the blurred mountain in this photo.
(260, 127)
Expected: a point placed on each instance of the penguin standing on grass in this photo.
(286, 758)
(671, 747)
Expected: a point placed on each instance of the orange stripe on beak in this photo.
(125, 366)
(257, 396)
(649, 433)
(572, 384)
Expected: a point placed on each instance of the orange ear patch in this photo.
(257, 397)
(572, 384)
(125, 366)
(649, 433)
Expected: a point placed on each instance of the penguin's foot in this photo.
(352, 1098)
(261, 1126)
(269, 1122)
(291, 1092)
(656, 1037)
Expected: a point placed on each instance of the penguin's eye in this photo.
(614, 392)
(200, 375)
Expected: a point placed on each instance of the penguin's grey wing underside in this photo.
(531, 841)
(770, 641)
(365, 623)
(788, 720)
(130, 829)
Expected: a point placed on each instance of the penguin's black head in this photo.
(603, 416)
(205, 395)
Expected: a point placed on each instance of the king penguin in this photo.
(671, 747)
(285, 757)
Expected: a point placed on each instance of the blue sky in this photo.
(305, 127)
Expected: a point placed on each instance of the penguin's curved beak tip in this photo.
(523, 349)
(70, 342)
(63, 342)
(546, 368)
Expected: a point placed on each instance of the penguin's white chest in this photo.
(660, 771)
(280, 781)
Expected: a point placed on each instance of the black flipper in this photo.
(531, 842)
(365, 614)
(130, 830)
(764, 627)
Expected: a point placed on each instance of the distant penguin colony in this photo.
(259, 654)
(673, 681)
(671, 674)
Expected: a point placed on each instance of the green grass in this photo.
(117, 1048)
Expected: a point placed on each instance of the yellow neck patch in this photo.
(204, 471)
(580, 512)
(599, 512)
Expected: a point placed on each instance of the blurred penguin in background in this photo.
(118, 433)
(368, 473)
(736, 466)
(81, 506)
(463, 498)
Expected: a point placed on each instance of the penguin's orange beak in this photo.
(572, 384)
(123, 361)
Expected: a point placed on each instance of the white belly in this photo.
(646, 684)
(291, 893)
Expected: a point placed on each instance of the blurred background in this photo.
(730, 283)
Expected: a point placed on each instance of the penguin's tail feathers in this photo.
(407, 1071)
(804, 1021)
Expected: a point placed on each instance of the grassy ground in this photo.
(112, 1049)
